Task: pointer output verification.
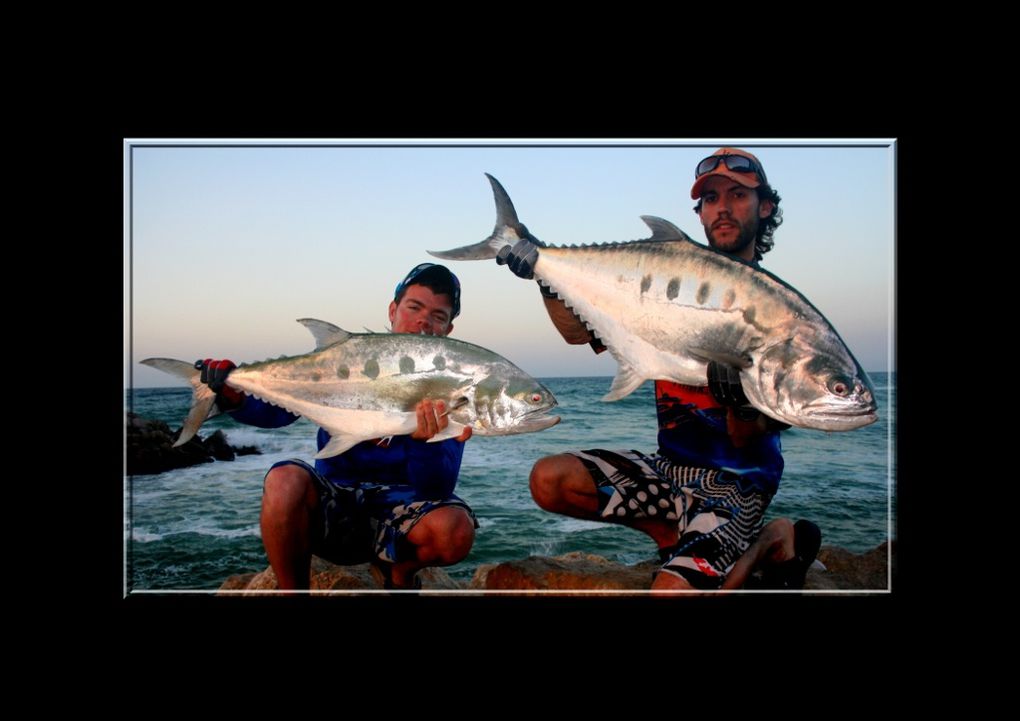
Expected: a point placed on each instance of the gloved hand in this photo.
(214, 375)
(724, 384)
(521, 258)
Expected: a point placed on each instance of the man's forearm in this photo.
(568, 324)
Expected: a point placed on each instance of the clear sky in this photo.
(228, 242)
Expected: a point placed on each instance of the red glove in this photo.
(214, 375)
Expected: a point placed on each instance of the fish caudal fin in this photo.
(203, 400)
(508, 231)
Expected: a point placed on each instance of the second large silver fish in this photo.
(360, 386)
(667, 305)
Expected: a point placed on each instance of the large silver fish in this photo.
(667, 305)
(366, 385)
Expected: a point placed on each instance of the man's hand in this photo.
(520, 258)
(214, 375)
(724, 384)
(742, 421)
(432, 418)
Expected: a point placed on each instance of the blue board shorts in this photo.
(717, 516)
(368, 521)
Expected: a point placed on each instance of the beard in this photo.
(745, 237)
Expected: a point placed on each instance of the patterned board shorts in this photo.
(369, 521)
(717, 516)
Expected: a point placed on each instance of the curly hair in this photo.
(767, 226)
(763, 241)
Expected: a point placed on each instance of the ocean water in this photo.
(191, 528)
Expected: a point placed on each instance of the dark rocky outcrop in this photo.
(579, 572)
(150, 447)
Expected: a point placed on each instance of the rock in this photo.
(846, 570)
(576, 571)
(217, 446)
(571, 571)
(328, 576)
(150, 447)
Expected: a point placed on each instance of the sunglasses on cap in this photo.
(417, 270)
(736, 163)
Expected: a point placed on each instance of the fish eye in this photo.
(536, 397)
(840, 387)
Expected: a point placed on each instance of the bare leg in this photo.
(288, 502)
(442, 537)
(774, 544)
(562, 484)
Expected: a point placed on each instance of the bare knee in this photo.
(777, 530)
(548, 477)
(777, 538)
(446, 533)
(287, 489)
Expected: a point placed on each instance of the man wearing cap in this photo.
(388, 501)
(706, 521)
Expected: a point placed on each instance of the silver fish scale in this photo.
(655, 300)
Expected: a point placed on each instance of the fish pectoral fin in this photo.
(736, 360)
(452, 430)
(627, 381)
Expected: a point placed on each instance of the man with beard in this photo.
(702, 497)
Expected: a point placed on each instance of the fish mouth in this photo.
(843, 419)
(538, 422)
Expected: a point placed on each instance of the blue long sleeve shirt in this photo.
(430, 468)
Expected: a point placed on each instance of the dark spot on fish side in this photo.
(749, 314)
(316, 377)
(728, 297)
(673, 289)
(371, 368)
(439, 362)
(646, 283)
(703, 290)
(407, 364)
(343, 372)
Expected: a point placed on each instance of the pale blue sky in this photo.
(225, 247)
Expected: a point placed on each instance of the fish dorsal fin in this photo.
(326, 334)
(662, 229)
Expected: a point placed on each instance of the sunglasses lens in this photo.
(739, 163)
(707, 165)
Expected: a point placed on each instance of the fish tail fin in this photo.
(507, 231)
(203, 400)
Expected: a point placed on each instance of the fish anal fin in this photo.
(338, 443)
(627, 381)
